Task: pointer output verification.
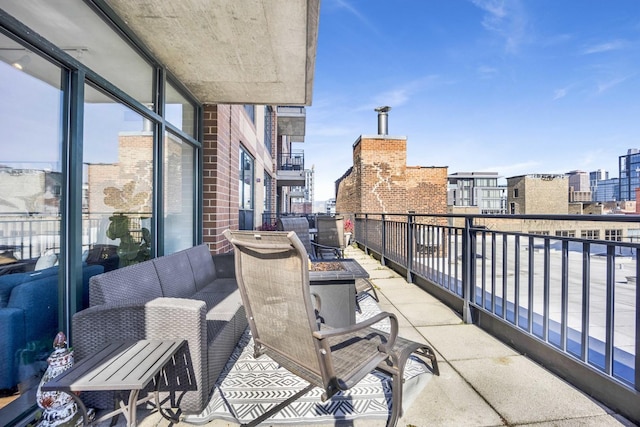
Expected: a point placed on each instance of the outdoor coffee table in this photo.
(119, 366)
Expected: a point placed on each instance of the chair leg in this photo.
(396, 398)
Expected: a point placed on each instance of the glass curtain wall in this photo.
(92, 177)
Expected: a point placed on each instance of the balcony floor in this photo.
(482, 381)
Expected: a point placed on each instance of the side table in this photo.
(124, 365)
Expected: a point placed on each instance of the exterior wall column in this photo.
(220, 203)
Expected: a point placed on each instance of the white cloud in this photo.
(560, 93)
(604, 47)
(605, 86)
(487, 72)
(506, 19)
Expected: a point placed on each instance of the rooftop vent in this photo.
(383, 128)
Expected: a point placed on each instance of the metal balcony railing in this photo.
(293, 161)
(569, 303)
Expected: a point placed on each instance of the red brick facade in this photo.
(220, 175)
(381, 182)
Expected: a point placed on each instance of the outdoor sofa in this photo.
(189, 295)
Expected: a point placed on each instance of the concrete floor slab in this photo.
(523, 392)
(420, 314)
(461, 342)
(449, 401)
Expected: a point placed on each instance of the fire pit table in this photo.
(335, 282)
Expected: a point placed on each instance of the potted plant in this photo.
(134, 247)
(348, 231)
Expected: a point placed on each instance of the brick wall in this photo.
(381, 182)
(538, 194)
(220, 175)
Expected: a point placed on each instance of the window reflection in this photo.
(179, 203)
(30, 195)
(118, 186)
(179, 111)
(245, 190)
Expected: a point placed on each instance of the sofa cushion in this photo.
(220, 305)
(202, 265)
(138, 281)
(9, 281)
(176, 275)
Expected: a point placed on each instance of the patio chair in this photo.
(330, 234)
(273, 278)
(300, 225)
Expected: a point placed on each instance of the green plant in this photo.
(132, 248)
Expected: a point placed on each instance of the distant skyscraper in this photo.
(594, 177)
(607, 190)
(629, 169)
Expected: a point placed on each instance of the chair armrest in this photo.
(93, 327)
(335, 332)
(338, 251)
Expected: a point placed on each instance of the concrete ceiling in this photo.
(231, 51)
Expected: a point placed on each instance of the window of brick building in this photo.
(566, 233)
(590, 234)
(614, 235)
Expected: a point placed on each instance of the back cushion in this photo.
(139, 281)
(202, 265)
(176, 275)
(9, 281)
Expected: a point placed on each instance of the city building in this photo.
(177, 124)
(607, 190)
(594, 178)
(629, 173)
(478, 189)
(579, 186)
(537, 194)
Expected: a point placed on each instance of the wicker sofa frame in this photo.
(188, 295)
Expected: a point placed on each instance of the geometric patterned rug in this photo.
(248, 387)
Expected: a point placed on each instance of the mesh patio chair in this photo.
(300, 225)
(273, 278)
(331, 234)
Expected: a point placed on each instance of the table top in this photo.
(123, 365)
(352, 270)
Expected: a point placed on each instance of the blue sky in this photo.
(512, 86)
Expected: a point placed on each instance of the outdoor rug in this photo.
(248, 387)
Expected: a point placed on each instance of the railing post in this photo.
(637, 366)
(410, 221)
(467, 241)
(384, 239)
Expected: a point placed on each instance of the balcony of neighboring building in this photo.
(290, 170)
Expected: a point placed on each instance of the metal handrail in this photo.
(540, 293)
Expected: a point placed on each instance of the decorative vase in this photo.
(347, 238)
(58, 407)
